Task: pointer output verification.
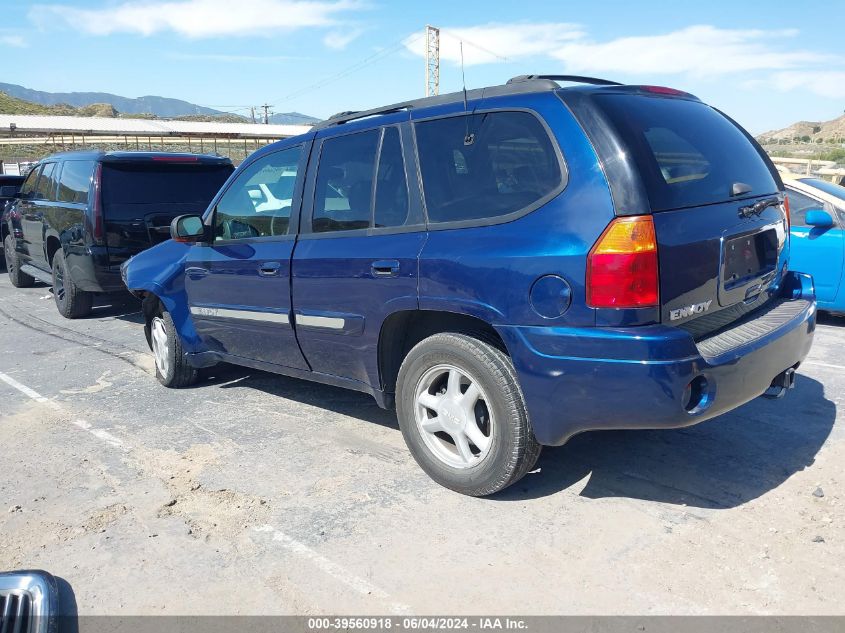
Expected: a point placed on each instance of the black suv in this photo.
(80, 215)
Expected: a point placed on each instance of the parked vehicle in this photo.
(9, 187)
(508, 270)
(80, 215)
(818, 241)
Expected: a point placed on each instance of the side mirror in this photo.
(819, 218)
(188, 229)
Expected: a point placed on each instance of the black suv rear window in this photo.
(484, 166)
(159, 183)
(687, 153)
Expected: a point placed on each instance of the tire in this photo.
(172, 368)
(18, 278)
(71, 302)
(450, 383)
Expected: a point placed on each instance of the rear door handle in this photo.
(268, 269)
(385, 268)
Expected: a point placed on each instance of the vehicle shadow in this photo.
(826, 318)
(344, 401)
(721, 463)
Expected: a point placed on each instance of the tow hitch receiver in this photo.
(781, 383)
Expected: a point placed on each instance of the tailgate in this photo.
(714, 197)
(141, 198)
(715, 266)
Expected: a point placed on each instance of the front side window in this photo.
(344, 191)
(259, 202)
(799, 204)
(484, 166)
(44, 188)
(75, 181)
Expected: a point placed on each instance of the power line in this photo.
(367, 61)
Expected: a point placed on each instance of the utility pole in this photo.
(252, 113)
(266, 108)
(432, 61)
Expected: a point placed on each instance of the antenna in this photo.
(469, 139)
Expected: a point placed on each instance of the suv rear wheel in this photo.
(462, 414)
(19, 279)
(72, 302)
(172, 368)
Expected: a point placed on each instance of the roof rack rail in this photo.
(354, 115)
(573, 78)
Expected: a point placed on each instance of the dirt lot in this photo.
(256, 494)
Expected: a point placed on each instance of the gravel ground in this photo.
(258, 494)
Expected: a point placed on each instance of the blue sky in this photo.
(764, 66)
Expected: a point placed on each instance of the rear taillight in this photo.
(622, 266)
(97, 227)
(786, 211)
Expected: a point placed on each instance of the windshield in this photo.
(687, 153)
(828, 187)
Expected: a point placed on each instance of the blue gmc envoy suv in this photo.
(507, 267)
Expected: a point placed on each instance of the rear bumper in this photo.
(90, 269)
(652, 377)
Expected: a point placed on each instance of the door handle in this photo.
(385, 268)
(268, 269)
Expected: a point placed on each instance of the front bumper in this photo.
(577, 379)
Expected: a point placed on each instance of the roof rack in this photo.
(595, 81)
(354, 115)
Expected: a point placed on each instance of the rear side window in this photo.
(687, 153)
(343, 197)
(484, 166)
(75, 181)
(28, 186)
(135, 183)
(44, 188)
(391, 203)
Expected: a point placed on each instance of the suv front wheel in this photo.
(463, 416)
(172, 368)
(72, 302)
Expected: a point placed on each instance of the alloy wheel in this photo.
(453, 417)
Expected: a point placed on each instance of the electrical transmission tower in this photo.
(432, 61)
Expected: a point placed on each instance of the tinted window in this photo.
(44, 188)
(687, 153)
(75, 180)
(28, 186)
(258, 203)
(161, 182)
(829, 188)
(343, 197)
(485, 165)
(799, 204)
(391, 205)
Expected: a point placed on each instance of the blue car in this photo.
(506, 268)
(817, 209)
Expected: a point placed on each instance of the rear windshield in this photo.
(161, 183)
(687, 153)
(828, 187)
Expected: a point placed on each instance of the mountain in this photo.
(292, 118)
(160, 106)
(816, 131)
(11, 105)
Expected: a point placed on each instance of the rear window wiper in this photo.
(758, 207)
